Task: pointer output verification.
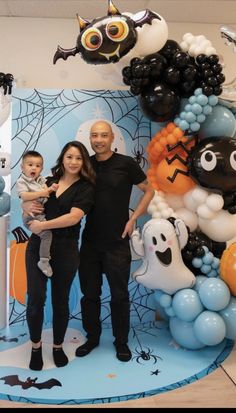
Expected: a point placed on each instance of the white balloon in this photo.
(221, 228)
(189, 201)
(190, 218)
(199, 195)
(204, 212)
(215, 202)
(175, 201)
(151, 37)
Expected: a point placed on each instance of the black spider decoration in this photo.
(211, 164)
(138, 153)
(6, 81)
(106, 39)
(145, 356)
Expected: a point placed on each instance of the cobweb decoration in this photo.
(37, 112)
(17, 313)
(142, 306)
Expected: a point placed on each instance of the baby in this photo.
(32, 186)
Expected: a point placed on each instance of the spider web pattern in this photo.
(35, 112)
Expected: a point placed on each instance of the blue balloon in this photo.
(209, 328)
(221, 122)
(186, 304)
(214, 294)
(199, 280)
(165, 300)
(183, 334)
(2, 184)
(4, 203)
(229, 316)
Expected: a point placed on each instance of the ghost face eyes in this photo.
(154, 240)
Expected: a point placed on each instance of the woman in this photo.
(64, 210)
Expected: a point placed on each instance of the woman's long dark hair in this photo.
(86, 171)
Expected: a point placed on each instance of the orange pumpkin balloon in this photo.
(228, 267)
(18, 280)
(180, 184)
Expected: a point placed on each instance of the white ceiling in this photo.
(189, 11)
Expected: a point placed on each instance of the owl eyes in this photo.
(92, 38)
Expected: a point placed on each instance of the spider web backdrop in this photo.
(44, 120)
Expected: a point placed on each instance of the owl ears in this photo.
(83, 23)
(112, 10)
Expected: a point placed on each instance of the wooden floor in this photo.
(218, 389)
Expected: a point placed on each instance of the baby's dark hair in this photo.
(35, 154)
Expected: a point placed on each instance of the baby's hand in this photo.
(53, 188)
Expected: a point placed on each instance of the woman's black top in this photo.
(79, 195)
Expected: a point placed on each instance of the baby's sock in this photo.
(45, 267)
(36, 361)
(59, 357)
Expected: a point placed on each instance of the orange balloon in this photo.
(228, 267)
(18, 280)
(181, 183)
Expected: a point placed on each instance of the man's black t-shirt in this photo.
(106, 220)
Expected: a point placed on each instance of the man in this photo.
(105, 241)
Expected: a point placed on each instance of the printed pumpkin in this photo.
(18, 280)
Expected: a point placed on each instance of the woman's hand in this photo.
(36, 226)
(32, 207)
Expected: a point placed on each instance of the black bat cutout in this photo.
(8, 340)
(28, 383)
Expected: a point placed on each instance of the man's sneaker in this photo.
(123, 352)
(86, 348)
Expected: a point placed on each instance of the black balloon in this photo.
(212, 164)
(157, 63)
(169, 49)
(159, 102)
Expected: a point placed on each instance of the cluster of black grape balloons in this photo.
(163, 78)
(194, 248)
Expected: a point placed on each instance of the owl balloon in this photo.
(109, 38)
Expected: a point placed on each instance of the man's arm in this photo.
(141, 208)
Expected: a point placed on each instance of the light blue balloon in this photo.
(4, 203)
(170, 311)
(229, 316)
(2, 184)
(209, 328)
(199, 280)
(183, 333)
(214, 294)
(157, 295)
(220, 122)
(165, 300)
(186, 304)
